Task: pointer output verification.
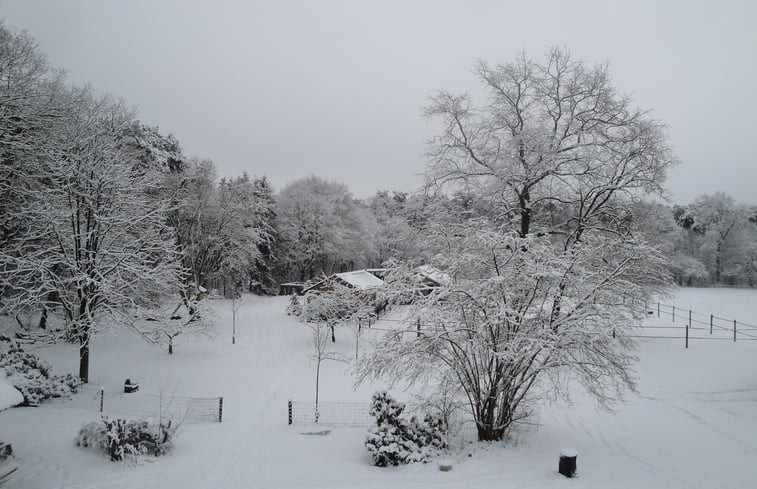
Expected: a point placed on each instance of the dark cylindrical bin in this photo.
(567, 465)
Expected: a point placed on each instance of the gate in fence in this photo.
(141, 405)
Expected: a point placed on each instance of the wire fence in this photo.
(687, 325)
(353, 414)
(141, 405)
(357, 415)
(691, 325)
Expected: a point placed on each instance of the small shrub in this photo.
(294, 308)
(33, 377)
(122, 439)
(395, 441)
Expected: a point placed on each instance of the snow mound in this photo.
(9, 395)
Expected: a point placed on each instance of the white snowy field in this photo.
(692, 424)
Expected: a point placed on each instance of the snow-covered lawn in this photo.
(693, 423)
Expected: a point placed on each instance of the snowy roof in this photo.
(431, 273)
(361, 279)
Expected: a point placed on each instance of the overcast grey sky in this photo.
(333, 88)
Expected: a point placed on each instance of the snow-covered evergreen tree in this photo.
(395, 440)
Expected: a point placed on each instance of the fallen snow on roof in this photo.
(361, 279)
(434, 274)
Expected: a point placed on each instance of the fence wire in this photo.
(141, 405)
(691, 325)
(353, 414)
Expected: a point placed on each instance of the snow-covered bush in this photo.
(121, 438)
(32, 376)
(294, 308)
(395, 441)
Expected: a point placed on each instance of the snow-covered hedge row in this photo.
(32, 376)
(126, 439)
(395, 440)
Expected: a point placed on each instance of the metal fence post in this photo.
(687, 336)
(220, 409)
(290, 411)
(674, 313)
(658, 308)
(734, 330)
(102, 398)
(710, 323)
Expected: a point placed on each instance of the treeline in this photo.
(715, 242)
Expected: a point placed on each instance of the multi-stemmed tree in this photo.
(552, 282)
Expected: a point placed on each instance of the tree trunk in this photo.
(487, 432)
(317, 380)
(717, 262)
(84, 361)
(524, 199)
(43, 318)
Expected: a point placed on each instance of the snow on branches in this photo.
(521, 311)
(395, 440)
(32, 376)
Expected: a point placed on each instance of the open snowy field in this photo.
(692, 424)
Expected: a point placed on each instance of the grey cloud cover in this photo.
(333, 88)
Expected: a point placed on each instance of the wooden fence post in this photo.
(290, 412)
(687, 336)
(710, 323)
(220, 409)
(689, 318)
(418, 334)
(658, 308)
(674, 313)
(102, 398)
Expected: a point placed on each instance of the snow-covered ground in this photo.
(693, 423)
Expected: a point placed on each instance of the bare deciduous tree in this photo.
(553, 134)
(95, 235)
(551, 285)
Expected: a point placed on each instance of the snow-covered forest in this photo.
(519, 274)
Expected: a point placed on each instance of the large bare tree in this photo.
(95, 237)
(553, 134)
(550, 286)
